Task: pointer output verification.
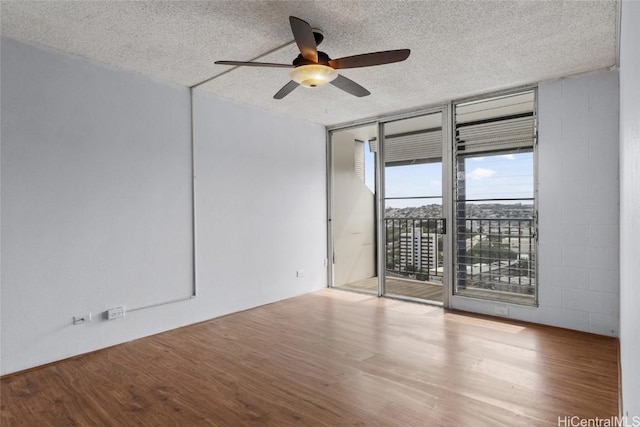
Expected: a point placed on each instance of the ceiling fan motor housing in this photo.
(323, 59)
(318, 35)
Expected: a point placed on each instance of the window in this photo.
(495, 214)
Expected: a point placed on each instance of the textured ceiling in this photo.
(458, 48)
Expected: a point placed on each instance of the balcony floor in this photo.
(428, 291)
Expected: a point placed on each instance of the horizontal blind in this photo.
(496, 124)
(413, 147)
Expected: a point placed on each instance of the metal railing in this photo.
(493, 254)
(414, 248)
(496, 254)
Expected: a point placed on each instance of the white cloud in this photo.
(508, 156)
(477, 159)
(481, 173)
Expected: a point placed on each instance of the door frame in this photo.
(447, 205)
(447, 194)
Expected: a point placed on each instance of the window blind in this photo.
(422, 146)
(497, 124)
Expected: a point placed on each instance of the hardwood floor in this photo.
(332, 358)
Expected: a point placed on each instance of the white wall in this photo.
(96, 205)
(121, 197)
(578, 208)
(630, 207)
(353, 216)
(579, 204)
(260, 205)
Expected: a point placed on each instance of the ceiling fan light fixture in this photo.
(313, 75)
(313, 68)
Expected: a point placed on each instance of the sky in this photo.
(491, 176)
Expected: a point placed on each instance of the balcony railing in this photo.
(496, 255)
(492, 255)
(414, 248)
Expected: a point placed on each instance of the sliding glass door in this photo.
(414, 220)
(386, 218)
(438, 204)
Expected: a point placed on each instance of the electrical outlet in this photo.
(502, 310)
(300, 273)
(82, 319)
(115, 313)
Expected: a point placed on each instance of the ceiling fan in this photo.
(313, 68)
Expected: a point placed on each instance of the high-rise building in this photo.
(419, 249)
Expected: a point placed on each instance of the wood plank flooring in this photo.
(331, 358)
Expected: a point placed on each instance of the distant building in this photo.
(419, 250)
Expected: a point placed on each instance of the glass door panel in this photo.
(414, 221)
(353, 217)
(495, 198)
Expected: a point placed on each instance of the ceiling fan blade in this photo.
(253, 64)
(304, 38)
(286, 90)
(349, 86)
(369, 59)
